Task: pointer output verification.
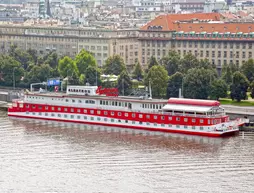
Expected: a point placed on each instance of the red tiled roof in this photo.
(215, 27)
(166, 21)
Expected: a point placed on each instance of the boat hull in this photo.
(134, 127)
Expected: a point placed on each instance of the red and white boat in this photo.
(94, 105)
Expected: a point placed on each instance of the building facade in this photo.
(221, 43)
(70, 41)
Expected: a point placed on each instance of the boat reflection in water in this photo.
(81, 133)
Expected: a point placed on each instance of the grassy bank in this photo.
(242, 103)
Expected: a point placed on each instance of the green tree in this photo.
(93, 76)
(39, 73)
(188, 62)
(238, 89)
(171, 62)
(52, 59)
(152, 62)
(218, 89)
(138, 72)
(248, 69)
(124, 83)
(33, 54)
(83, 60)
(158, 76)
(197, 83)
(67, 68)
(174, 84)
(10, 69)
(114, 65)
(82, 79)
(227, 74)
(252, 89)
(21, 56)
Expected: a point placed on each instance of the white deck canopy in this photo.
(187, 108)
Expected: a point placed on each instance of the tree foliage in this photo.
(174, 84)
(252, 89)
(248, 69)
(218, 89)
(152, 62)
(227, 75)
(238, 89)
(23, 57)
(92, 76)
(197, 83)
(188, 62)
(158, 77)
(171, 62)
(67, 67)
(124, 83)
(114, 65)
(138, 72)
(83, 60)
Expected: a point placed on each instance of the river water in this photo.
(42, 156)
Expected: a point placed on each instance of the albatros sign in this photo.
(107, 91)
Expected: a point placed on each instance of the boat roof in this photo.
(100, 97)
(194, 102)
(187, 108)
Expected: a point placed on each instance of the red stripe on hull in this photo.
(137, 127)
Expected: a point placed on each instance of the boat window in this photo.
(148, 116)
(73, 100)
(162, 118)
(185, 119)
(162, 125)
(133, 115)
(72, 110)
(201, 120)
(100, 102)
(201, 128)
(59, 115)
(78, 116)
(119, 120)
(98, 118)
(148, 123)
(106, 102)
(65, 109)
(185, 127)
(78, 110)
(193, 127)
(105, 119)
(208, 121)
(126, 121)
(133, 122)
(140, 122)
(40, 107)
(27, 106)
(170, 126)
(92, 118)
(85, 117)
(112, 120)
(59, 108)
(98, 112)
(177, 126)
(140, 116)
(46, 114)
(129, 106)
(125, 104)
(92, 111)
(155, 124)
(170, 118)
(178, 118)
(126, 114)
(193, 120)
(72, 116)
(155, 117)
(153, 106)
(52, 114)
(85, 111)
(33, 106)
(119, 104)
(105, 113)
(40, 113)
(116, 103)
(66, 100)
(112, 113)
(119, 114)
(52, 108)
(79, 101)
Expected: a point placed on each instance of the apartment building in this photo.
(203, 35)
(69, 41)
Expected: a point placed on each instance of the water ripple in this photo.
(42, 156)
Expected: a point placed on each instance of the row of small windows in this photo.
(79, 90)
(133, 115)
(114, 120)
(151, 106)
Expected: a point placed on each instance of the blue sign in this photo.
(53, 82)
